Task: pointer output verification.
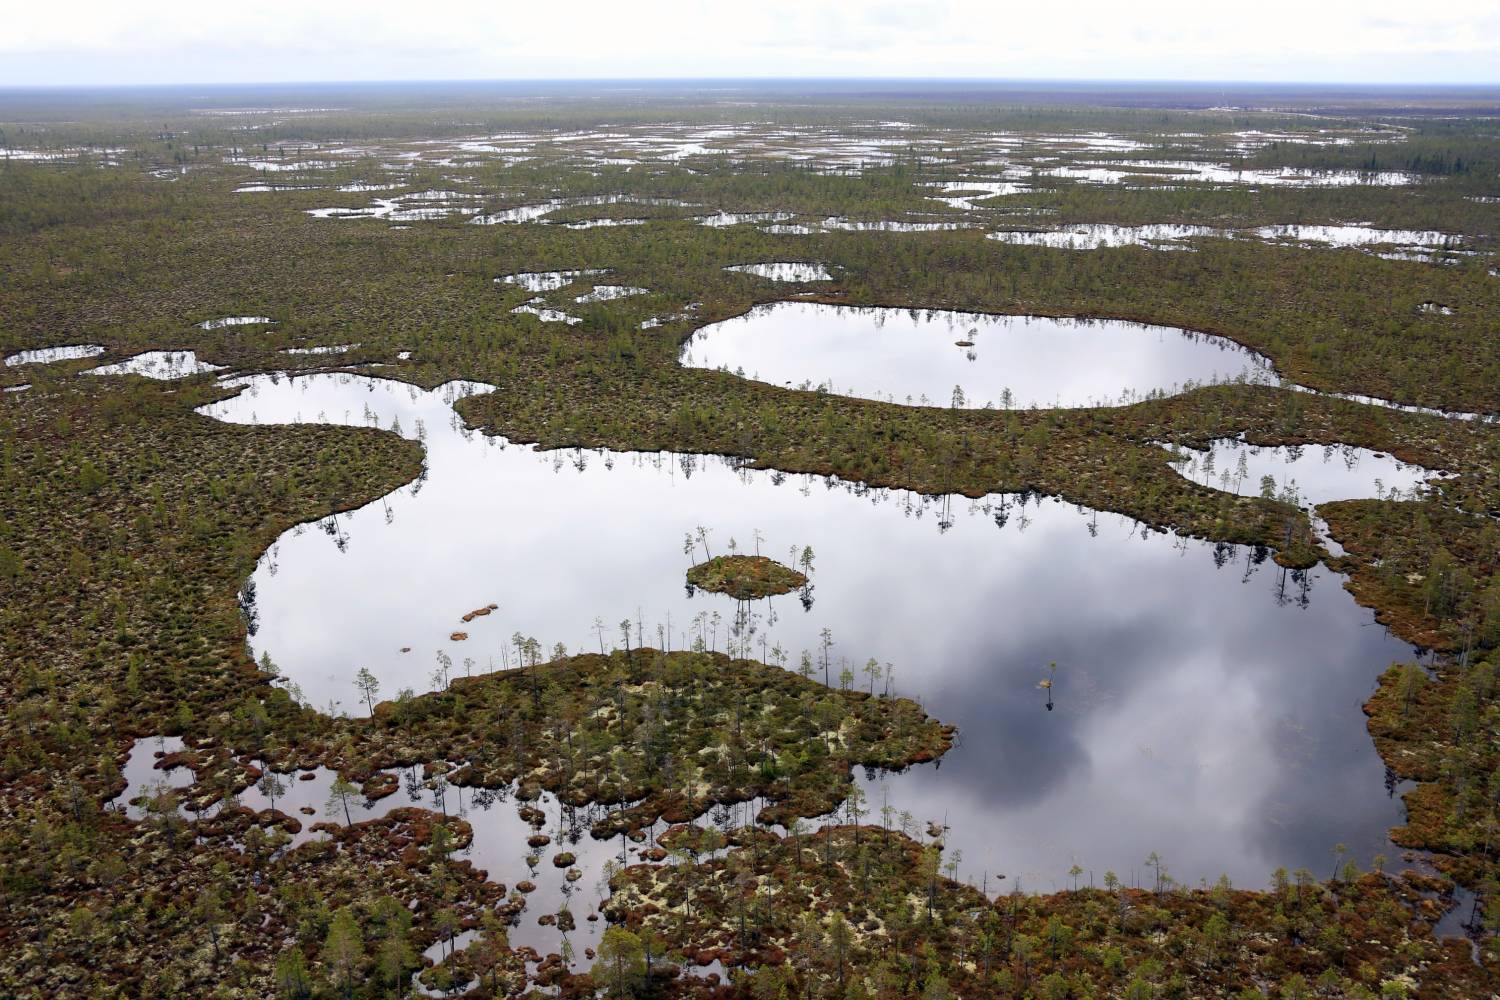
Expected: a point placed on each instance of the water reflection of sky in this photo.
(498, 847)
(1312, 474)
(1208, 712)
(918, 356)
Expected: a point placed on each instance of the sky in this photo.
(103, 42)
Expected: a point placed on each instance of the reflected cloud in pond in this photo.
(919, 356)
(1206, 703)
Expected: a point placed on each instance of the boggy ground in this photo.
(127, 525)
(128, 522)
(865, 911)
(659, 735)
(646, 734)
(98, 906)
(1439, 728)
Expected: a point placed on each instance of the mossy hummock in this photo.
(745, 578)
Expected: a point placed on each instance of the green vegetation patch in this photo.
(745, 578)
(97, 906)
(865, 911)
(656, 735)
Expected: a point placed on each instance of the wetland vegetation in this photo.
(1047, 388)
(746, 578)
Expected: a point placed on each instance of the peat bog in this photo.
(679, 547)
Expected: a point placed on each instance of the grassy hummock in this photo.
(745, 578)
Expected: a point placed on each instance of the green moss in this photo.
(745, 578)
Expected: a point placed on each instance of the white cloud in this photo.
(117, 41)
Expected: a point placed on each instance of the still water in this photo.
(1304, 474)
(499, 845)
(919, 356)
(1205, 704)
(49, 355)
(161, 365)
(785, 271)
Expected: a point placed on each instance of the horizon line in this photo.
(780, 79)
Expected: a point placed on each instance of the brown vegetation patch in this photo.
(745, 578)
